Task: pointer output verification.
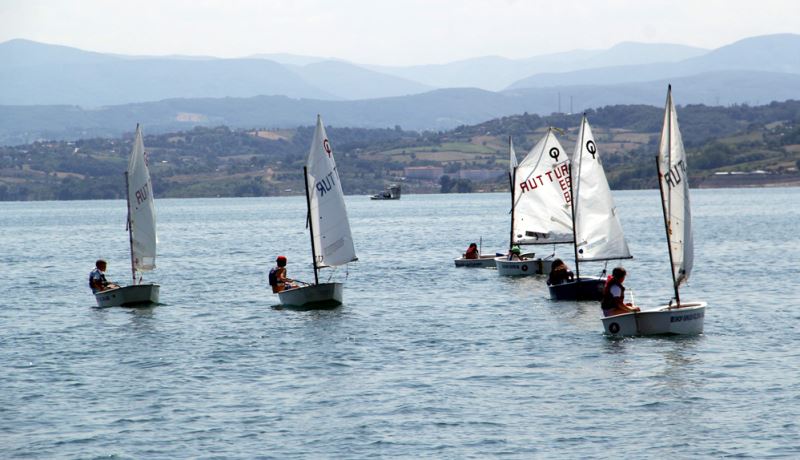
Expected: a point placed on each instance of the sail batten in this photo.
(331, 234)
(141, 209)
(674, 181)
(598, 230)
(542, 212)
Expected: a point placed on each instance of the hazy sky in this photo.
(396, 32)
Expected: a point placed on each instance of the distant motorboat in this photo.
(391, 192)
(141, 225)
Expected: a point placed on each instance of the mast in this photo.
(130, 224)
(512, 178)
(572, 199)
(574, 233)
(310, 226)
(661, 189)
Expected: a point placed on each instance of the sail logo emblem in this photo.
(554, 153)
(591, 148)
(327, 147)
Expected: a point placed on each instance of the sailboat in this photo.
(331, 241)
(596, 228)
(488, 260)
(141, 231)
(540, 209)
(673, 181)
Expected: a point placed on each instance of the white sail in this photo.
(672, 172)
(598, 231)
(330, 227)
(512, 161)
(542, 212)
(141, 209)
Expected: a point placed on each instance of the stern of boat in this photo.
(688, 319)
(129, 296)
(323, 295)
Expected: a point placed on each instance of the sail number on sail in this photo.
(143, 193)
(674, 176)
(560, 174)
(327, 183)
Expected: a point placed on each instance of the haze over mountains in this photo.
(51, 91)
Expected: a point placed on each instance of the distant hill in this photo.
(38, 74)
(771, 53)
(735, 146)
(495, 73)
(34, 73)
(435, 110)
(351, 82)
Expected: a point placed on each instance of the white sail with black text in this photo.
(331, 239)
(142, 211)
(540, 212)
(677, 317)
(598, 231)
(141, 228)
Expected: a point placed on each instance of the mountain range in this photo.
(57, 92)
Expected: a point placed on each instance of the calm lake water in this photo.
(423, 360)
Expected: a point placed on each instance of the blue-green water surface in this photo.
(424, 360)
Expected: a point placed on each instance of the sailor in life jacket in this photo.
(97, 278)
(613, 302)
(472, 252)
(277, 276)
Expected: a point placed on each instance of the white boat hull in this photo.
(127, 296)
(686, 320)
(481, 262)
(313, 296)
(525, 267)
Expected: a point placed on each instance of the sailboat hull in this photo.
(481, 262)
(581, 289)
(323, 295)
(129, 296)
(527, 267)
(686, 320)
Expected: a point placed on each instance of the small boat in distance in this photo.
(673, 181)
(392, 192)
(141, 225)
(331, 240)
(540, 210)
(482, 261)
(596, 228)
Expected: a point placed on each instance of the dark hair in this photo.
(281, 260)
(619, 272)
(473, 244)
(99, 262)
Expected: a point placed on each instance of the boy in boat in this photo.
(514, 254)
(559, 273)
(277, 276)
(613, 302)
(97, 278)
(472, 252)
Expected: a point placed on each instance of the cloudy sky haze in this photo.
(401, 32)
